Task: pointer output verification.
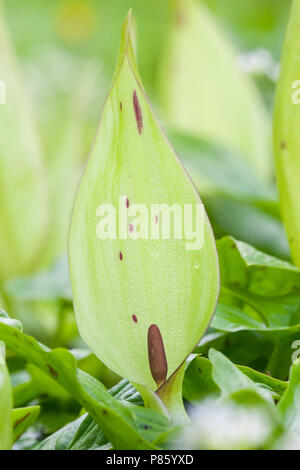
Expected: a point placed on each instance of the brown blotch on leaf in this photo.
(52, 371)
(105, 412)
(16, 423)
(121, 106)
(121, 255)
(283, 145)
(138, 113)
(134, 318)
(180, 18)
(157, 356)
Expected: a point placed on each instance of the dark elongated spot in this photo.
(130, 228)
(121, 255)
(127, 202)
(157, 356)
(283, 145)
(52, 371)
(134, 318)
(121, 106)
(19, 421)
(137, 112)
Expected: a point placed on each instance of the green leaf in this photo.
(259, 305)
(123, 286)
(289, 406)
(198, 381)
(205, 93)
(22, 419)
(84, 432)
(269, 287)
(23, 202)
(116, 421)
(286, 125)
(230, 379)
(231, 319)
(277, 386)
(5, 403)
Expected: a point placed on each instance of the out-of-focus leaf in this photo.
(205, 93)
(10, 321)
(51, 285)
(22, 419)
(5, 403)
(242, 421)
(23, 202)
(67, 163)
(254, 31)
(252, 224)
(115, 420)
(216, 169)
(110, 302)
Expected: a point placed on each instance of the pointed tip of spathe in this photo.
(127, 46)
(127, 27)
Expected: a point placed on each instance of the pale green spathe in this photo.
(286, 132)
(157, 281)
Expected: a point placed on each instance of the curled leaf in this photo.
(124, 284)
(286, 133)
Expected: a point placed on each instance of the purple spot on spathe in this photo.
(138, 113)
